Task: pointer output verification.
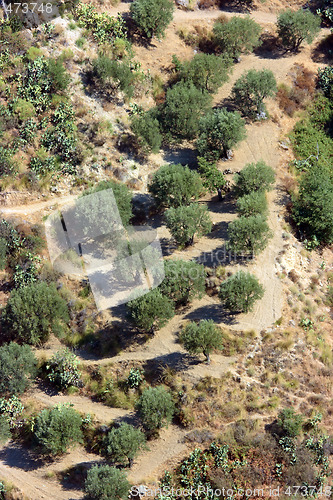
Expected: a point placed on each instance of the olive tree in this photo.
(206, 71)
(184, 104)
(201, 337)
(212, 177)
(156, 408)
(219, 131)
(184, 280)
(251, 89)
(248, 234)
(123, 443)
(296, 26)
(240, 34)
(254, 203)
(240, 292)
(175, 185)
(58, 428)
(105, 482)
(34, 311)
(18, 365)
(254, 177)
(152, 16)
(151, 311)
(185, 222)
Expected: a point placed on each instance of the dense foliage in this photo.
(219, 131)
(186, 222)
(151, 311)
(240, 292)
(105, 482)
(62, 369)
(33, 312)
(57, 429)
(251, 89)
(239, 35)
(17, 367)
(254, 177)
(156, 408)
(201, 337)
(175, 185)
(184, 280)
(248, 235)
(296, 26)
(123, 443)
(254, 203)
(152, 16)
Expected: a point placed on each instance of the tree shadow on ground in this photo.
(177, 361)
(17, 456)
(323, 51)
(270, 47)
(74, 477)
(214, 312)
(184, 156)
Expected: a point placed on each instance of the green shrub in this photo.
(184, 281)
(201, 337)
(236, 36)
(254, 177)
(175, 185)
(254, 203)
(152, 16)
(11, 409)
(240, 292)
(56, 429)
(114, 75)
(296, 26)
(62, 369)
(58, 75)
(147, 129)
(251, 89)
(212, 177)
(184, 104)
(103, 27)
(186, 222)
(290, 422)
(5, 433)
(105, 482)
(325, 80)
(151, 311)
(123, 443)
(219, 131)
(32, 312)
(156, 408)
(24, 109)
(249, 234)
(206, 71)
(17, 368)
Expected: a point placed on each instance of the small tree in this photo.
(201, 337)
(186, 222)
(296, 26)
(254, 177)
(313, 207)
(5, 433)
(290, 422)
(113, 75)
(147, 129)
(33, 311)
(219, 131)
(251, 89)
(152, 16)
(212, 177)
(254, 203)
(248, 234)
(175, 185)
(184, 281)
(151, 311)
(62, 369)
(122, 444)
(240, 34)
(206, 71)
(239, 292)
(105, 482)
(93, 212)
(17, 368)
(156, 408)
(184, 104)
(57, 429)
